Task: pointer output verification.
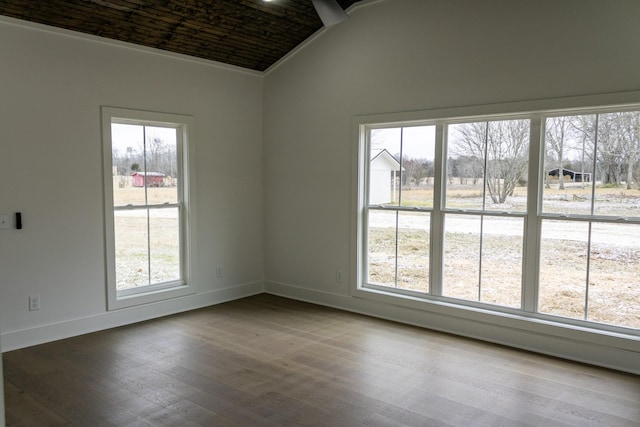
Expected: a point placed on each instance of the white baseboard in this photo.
(576, 344)
(615, 352)
(111, 319)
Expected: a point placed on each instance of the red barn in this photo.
(153, 179)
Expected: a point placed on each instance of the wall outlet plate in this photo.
(34, 302)
(5, 222)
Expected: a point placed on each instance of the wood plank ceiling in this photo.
(252, 34)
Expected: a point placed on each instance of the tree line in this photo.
(156, 155)
(610, 140)
(606, 146)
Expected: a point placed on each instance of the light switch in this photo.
(5, 223)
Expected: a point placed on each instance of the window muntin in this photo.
(146, 205)
(508, 257)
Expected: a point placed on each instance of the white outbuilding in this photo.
(384, 171)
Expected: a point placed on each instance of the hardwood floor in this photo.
(269, 361)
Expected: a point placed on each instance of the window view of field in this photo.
(589, 260)
(146, 209)
(147, 246)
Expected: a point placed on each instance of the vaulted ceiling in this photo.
(252, 34)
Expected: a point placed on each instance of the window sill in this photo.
(489, 317)
(152, 295)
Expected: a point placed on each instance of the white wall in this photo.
(392, 55)
(52, 85)
(405, 55)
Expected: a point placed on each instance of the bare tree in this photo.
(611, 148)
(502, 147)
(584, 129)
(630, 135)
(556, 134)
(507, 157)
(160, 155)
(413, 171)
(618, 145)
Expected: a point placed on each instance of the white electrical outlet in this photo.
(34, 302)
(5, 223)
(339, 276)
(218, 272)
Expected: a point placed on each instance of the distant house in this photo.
(573, 175)
(153, 179)
(383, 170)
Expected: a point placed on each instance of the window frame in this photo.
(435, 302)
(184, 125)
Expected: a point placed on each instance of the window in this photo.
(147, 206)
(590, 219)
(534, 214)
(400, 205)
(484, 209)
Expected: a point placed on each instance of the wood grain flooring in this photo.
(270, 361)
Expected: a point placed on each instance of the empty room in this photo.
(319, 212)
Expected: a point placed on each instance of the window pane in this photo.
(413, 251)
(462, 256)
(418, 154)
(404, 265)
(384, 166)
(131, 244)
(161, 165)
(145, 164)
(465, 165)
(563, 268)
(128, 164)
(614, 274)
(487, 165)
(164, 243)
(381, 242)
(483, 259)
(617, 166)
(568, 144)
(506, 170)
(502, 244)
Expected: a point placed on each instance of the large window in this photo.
(146, 200)
(536, 214)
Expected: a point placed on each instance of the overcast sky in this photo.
(123, 136)
(418, 142)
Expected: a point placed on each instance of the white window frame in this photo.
(434, 301)
(184, 125)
